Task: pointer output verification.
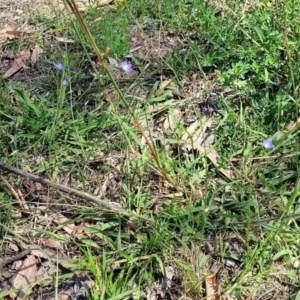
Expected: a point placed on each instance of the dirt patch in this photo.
(151, 44)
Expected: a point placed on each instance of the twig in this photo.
(22, 204)
(10, 260)
(62, 188)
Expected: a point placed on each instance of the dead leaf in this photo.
(13, 247)
(210, 285)
(49, 254)
(213, 156)
(25, 277)
(195, 139)
(194, 78)
(18, 33)
(104, 2)
(3, 33)
(58, 218)
(81, 284)
(51, 243)
(35, 55)
(162, 86)
(195, 134)
(18, 64)
(47, 268)
(209, 140)
(67, 226)
(113, 62)
(64, 40)
(172, 119)
(11, 32)
(290, 127)
(169, 273)
(161, 286)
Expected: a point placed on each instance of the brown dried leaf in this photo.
(194, 137)
(290, 127)
(113, 62)
(18, 33)
(160, 287)
(58, 218)
(51, 243)
(104, 2)
(162, 86)
(35, 55)
(68, 293)
(195, 140)
(25, 277)
(64, 39)
(5, 35)
(210, 284)
(13, 247)
(213, 156)
(172, 119)
(50, 254)
(18, 64)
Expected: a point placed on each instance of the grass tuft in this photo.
(225, 206)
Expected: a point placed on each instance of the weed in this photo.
(98, 125)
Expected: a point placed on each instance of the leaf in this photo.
(162, 86)
(19, 33)
(64, 39)
(21, 95)
(163, 97)
(89, 243)
(213, 156)
(194, 136)
(49, 254)
(113, 62)
(282, 253)
(4, 34)
(172, 119)
(195, 139)
(104, 2)
(35, 55)
(10, 33)
(25, 276)
(51, 243)
(18, 64)
(298, 296)
(58, 218)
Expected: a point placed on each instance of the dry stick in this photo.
(65, 189)
(14, 258)
(22, 204)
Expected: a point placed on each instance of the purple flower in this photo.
(126, 66)
(59, 66)
(267, 144)
(65, 82)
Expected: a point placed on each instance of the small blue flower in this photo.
(267, 144)
(126, 66)
(65, 82)
(59, 66)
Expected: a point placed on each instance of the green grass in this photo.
(248, 55)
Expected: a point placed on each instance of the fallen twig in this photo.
(21, 202)
(65, 189)
(10, 260)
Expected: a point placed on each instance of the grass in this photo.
(244, 228)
